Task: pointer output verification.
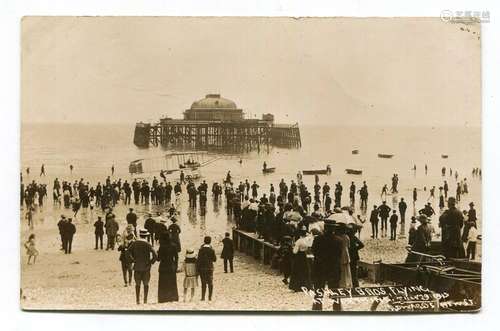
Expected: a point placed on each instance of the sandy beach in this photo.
(90, 279)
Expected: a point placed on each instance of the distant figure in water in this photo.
(395, 181)
(71, 169)
(414, 167)
(42, 170)
(383, 194)
(241, 161)
(431, 193)
(264, 166)
(112, 170)
(426, 168)
(414, 195)
(441, 199)
(27, 171)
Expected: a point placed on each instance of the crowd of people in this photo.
(299, 221)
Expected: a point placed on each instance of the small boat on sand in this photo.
(354, 171)
(268, 170)
(355, 152)
(444, 156)
(385, 156)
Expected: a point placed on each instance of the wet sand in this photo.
(89, 279)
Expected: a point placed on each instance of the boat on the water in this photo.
(385, 156)
(316, 172)
(355, 152)
(326, 171)
(268, 170)
(354, 171)
(444, 156)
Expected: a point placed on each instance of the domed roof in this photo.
(213, 101)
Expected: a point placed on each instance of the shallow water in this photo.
(93, 149)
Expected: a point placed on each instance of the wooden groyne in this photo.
(249, 244)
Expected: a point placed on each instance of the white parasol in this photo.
(340, 218)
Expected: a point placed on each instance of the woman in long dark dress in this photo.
(175, 231)
(300, 276)
(167, 280)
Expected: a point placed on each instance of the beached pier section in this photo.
(216, 124)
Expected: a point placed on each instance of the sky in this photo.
(314, 71)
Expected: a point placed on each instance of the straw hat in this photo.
(143, 233)
(190, 254)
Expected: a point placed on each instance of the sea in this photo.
(93, 149)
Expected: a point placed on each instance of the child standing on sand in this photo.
(191, 274)
(31, 250)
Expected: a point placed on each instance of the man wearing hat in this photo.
(99, 231)
(384, 211)
(205, 265)
(144, 257)
(69, 230)
(393, 221)
(472, 213)
(227, 252)
(150, 225)
(112, 228)
(423, 235)
(374, 221)
(60, 226)
(132, 220)
(412, 233)
(451, 223)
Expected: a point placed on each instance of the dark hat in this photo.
(471, 204)
(353, 226)
(315, 232)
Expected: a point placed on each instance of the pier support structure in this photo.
(231, 136)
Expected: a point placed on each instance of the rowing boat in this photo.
(315, 172)
(268, 170)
